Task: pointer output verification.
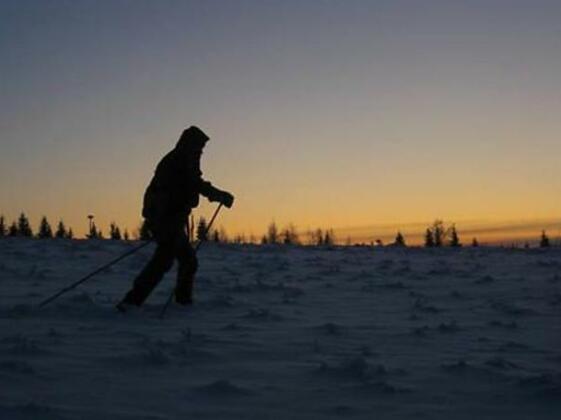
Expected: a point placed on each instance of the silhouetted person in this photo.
(170, 197)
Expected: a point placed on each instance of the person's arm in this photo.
(214, 194)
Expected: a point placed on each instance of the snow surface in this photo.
(284, 333)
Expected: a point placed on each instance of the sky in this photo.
(356, 115)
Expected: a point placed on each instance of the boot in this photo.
(127, 302)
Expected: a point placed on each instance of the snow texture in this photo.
(283, 333)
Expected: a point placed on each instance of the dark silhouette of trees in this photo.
(202, 230)
(239, 239)
(3, 230)
(114, 232)
(23, 227)
(454, 238)
(13, 230)
(320, 237)
(272, 234)
(329, 237)
(438, 233)
(399, 240)
(316, 237)
(287, 236)
(544, 241)
(45, 230)
(290, 236)
(429, 239)
(61, 230)
(219, 235)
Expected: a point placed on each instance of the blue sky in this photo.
(321, 113)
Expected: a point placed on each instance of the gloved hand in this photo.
(214, 194)
(226, 198)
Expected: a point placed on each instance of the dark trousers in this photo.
(172, 244)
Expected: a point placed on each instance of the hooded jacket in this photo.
(177, 182)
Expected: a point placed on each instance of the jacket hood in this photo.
(192, 138)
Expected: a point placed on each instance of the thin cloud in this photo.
(492, 232)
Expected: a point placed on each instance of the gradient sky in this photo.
(321, 113)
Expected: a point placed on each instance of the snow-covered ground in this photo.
(284, 333)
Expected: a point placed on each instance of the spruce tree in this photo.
(290, 235)
(273, 233)
(438, 233)
(429, 239)
(454, 239)
(329, 238)
(126, 235)
(13, 230)
(114, 232)
(24, 228)
(3, 230)
(474, 243)
(285, 235)
(399, 240)
(544, 241)
(202, 230)
(45, 231)
(216, 236)
(70, 234)
(60, 230)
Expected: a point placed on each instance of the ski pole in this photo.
(170, 298)
(89, 276)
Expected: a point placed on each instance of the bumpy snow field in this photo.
(284, 333)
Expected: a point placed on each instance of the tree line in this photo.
(439, 235)
(436, 235)
(289, 235)
(22, 228)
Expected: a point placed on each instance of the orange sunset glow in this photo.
(377, 122)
